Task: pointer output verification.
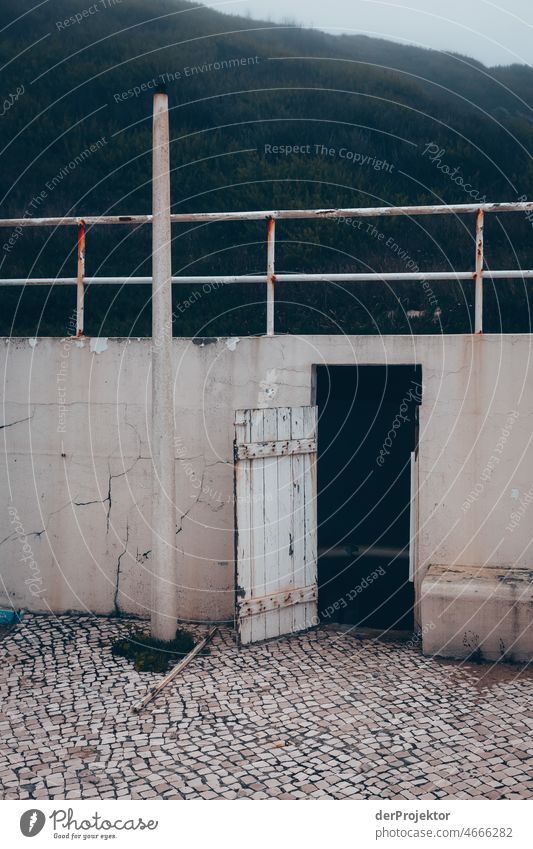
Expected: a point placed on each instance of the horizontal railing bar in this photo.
(280, 278)
(259, 215)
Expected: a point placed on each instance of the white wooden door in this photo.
(275, 517)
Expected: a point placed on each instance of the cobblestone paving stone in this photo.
(319, 715)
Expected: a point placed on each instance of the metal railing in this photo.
(271, 278)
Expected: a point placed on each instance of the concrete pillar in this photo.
(164, 577)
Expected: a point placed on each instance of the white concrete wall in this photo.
(76, 499)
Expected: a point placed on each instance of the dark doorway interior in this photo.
(368, 427)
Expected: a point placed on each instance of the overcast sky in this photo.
(496, 33)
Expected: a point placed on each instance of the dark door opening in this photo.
(367, 429)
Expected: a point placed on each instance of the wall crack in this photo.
(117, 581)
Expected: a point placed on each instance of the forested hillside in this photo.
(373, 123)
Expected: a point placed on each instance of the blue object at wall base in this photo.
(10, 617)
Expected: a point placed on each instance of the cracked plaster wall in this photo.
(75, 519)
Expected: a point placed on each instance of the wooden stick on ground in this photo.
(177, 669)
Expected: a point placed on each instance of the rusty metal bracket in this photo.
(80, 299)
(480, 225)
(271, 277)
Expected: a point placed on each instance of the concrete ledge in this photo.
(478, 613)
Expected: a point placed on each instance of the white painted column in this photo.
(164, 577)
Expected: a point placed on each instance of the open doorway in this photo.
(367, 431)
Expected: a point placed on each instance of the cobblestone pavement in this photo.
(320, 715)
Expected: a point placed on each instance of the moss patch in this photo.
(151, 655)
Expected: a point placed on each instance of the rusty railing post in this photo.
(478, 321)
(80, 293)
(271, 277)
(164, 587)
